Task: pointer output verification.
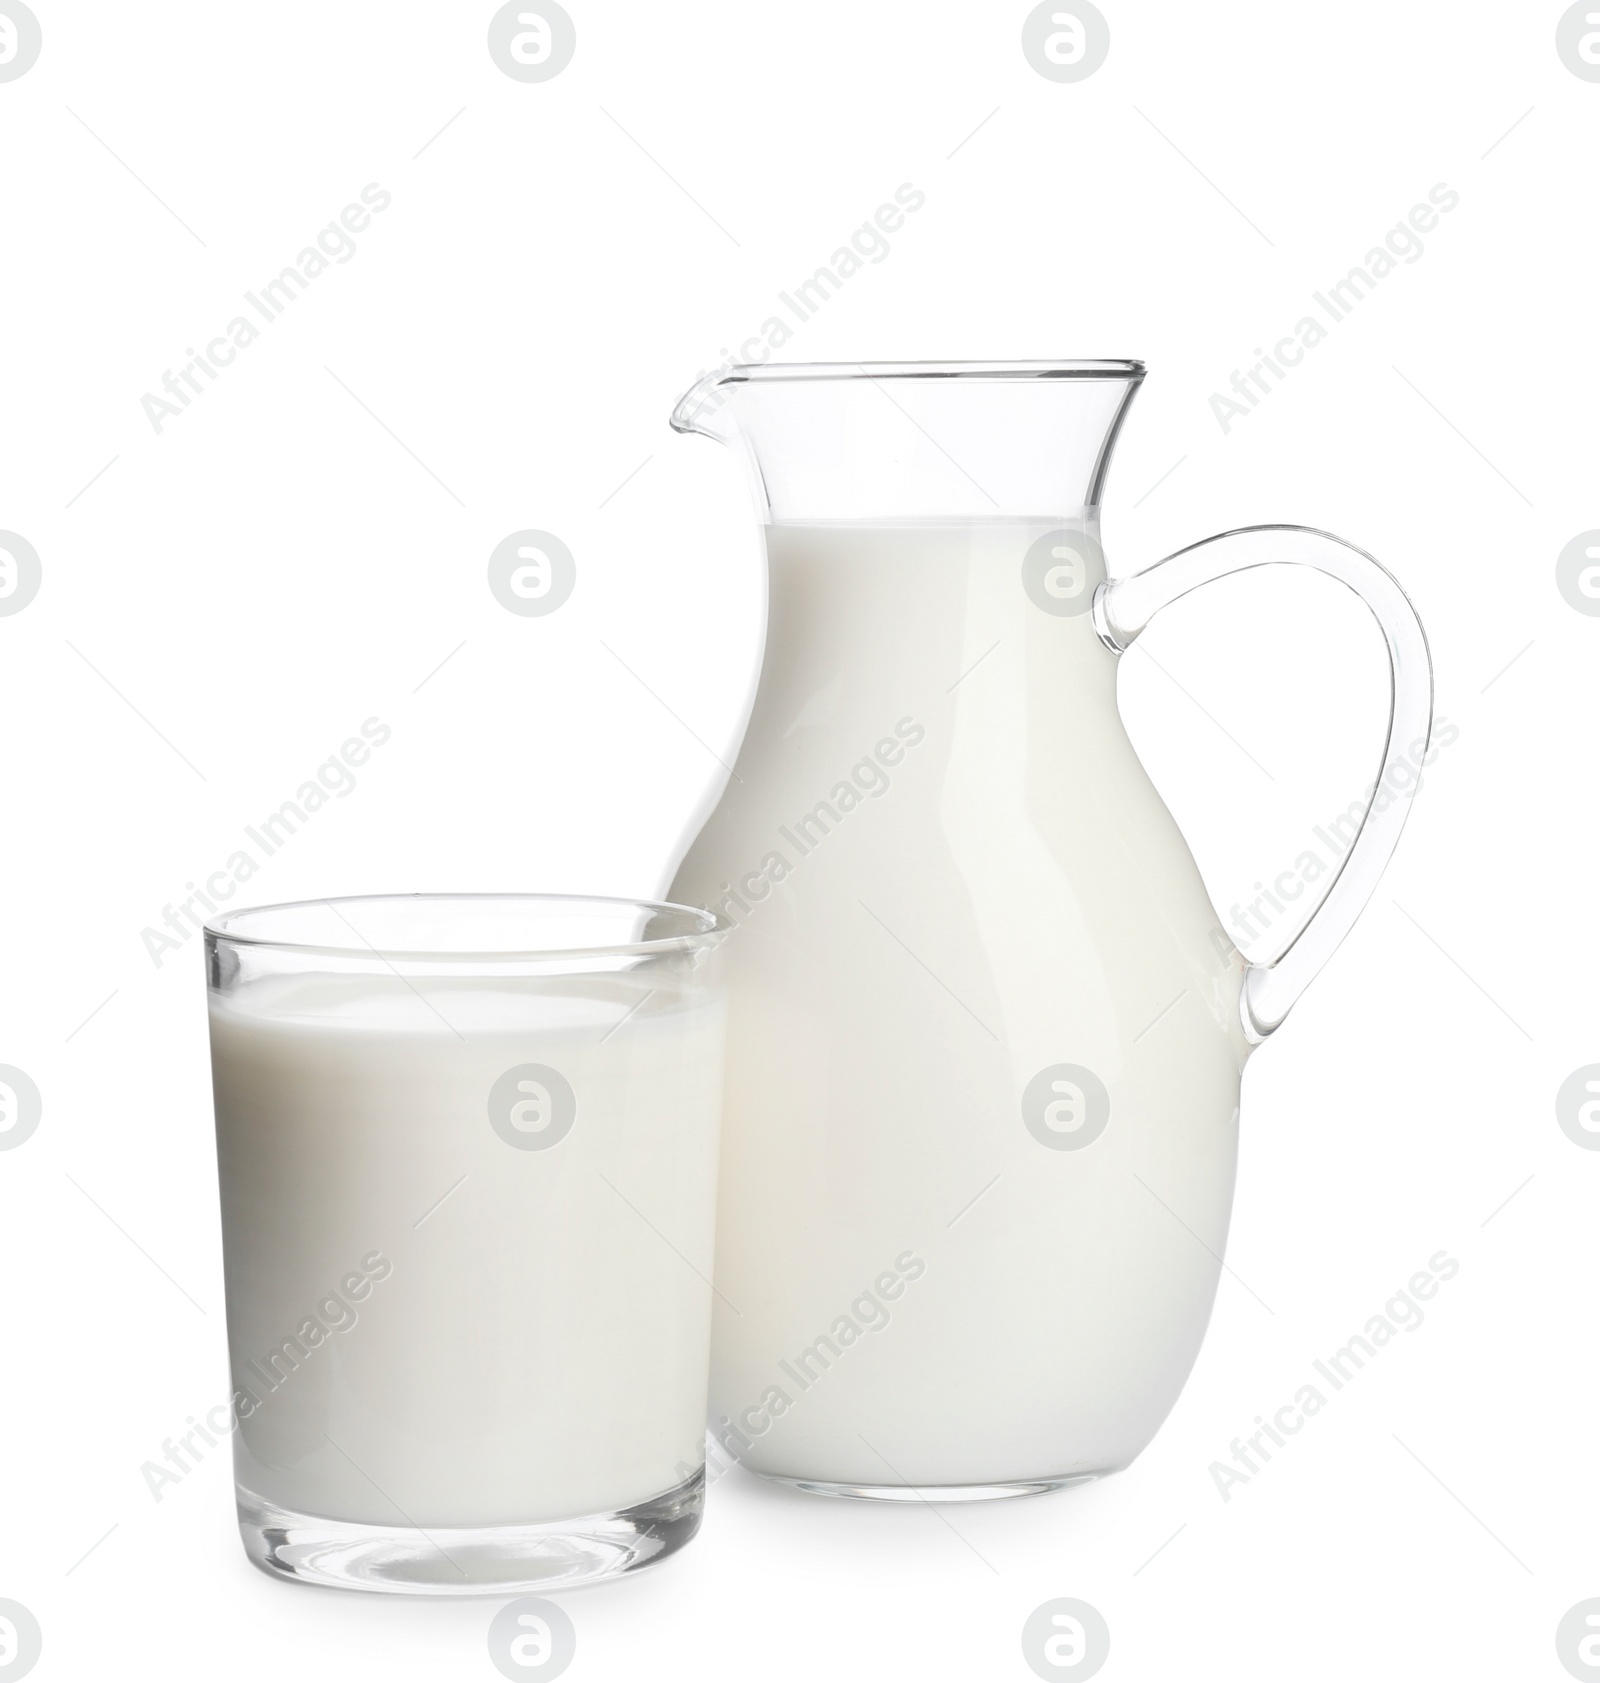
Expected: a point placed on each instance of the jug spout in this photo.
(699, 409)
(917, 440)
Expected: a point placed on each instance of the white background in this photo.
(229, 599)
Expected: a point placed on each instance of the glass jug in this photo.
(982, 1023)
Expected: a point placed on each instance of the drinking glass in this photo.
(467, 1150)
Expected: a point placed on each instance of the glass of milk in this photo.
(467, 1147)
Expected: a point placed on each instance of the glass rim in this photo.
(710, 928)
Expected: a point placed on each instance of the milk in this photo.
(950, 876)
(479, 1334)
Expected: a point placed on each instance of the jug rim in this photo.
(694, 402)
(1064, 368)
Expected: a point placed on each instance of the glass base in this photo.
(933, 1492)
(473, 1560)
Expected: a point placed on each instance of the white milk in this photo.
(531, 1350)
(998, 889)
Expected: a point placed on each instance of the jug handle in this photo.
(1123, 608)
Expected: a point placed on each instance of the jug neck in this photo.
(859, 442)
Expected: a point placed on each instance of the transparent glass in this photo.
(467, 1151)
(985, 1032)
